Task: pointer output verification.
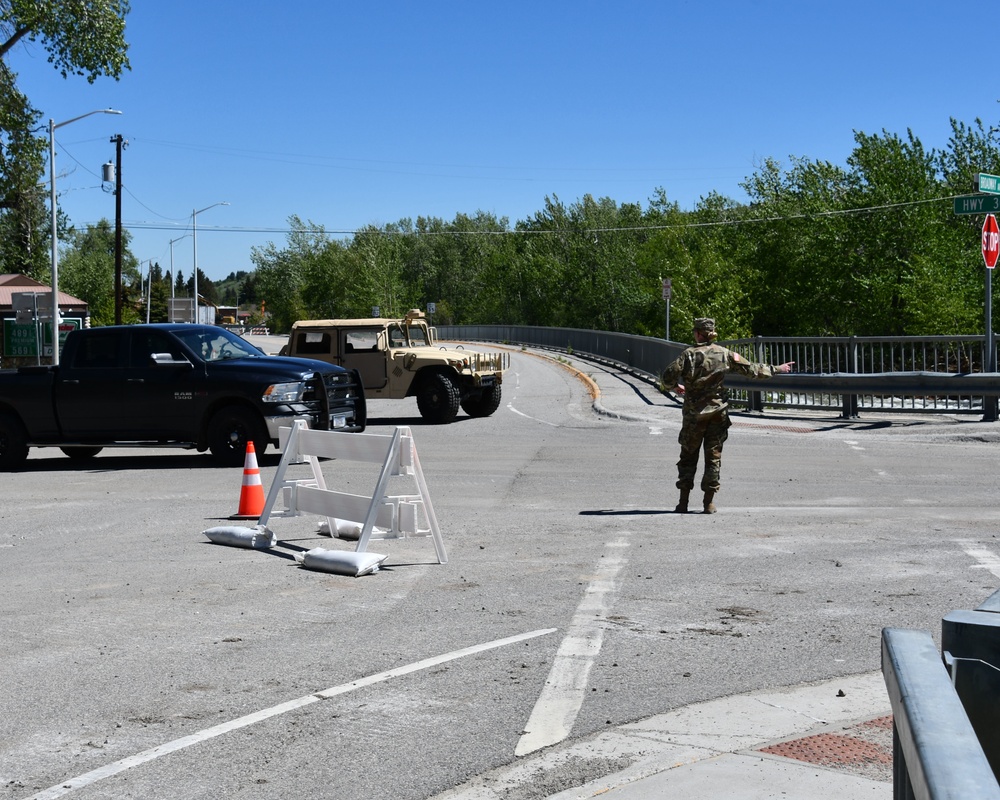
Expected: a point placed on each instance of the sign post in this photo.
(666, 297)
(991, 250)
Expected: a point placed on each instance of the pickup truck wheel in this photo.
(438, 398)
(13, 447)
(81, 452)
(230, 429)
(483, 403)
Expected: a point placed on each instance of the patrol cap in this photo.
(706, 324)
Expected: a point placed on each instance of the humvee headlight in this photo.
(284, 392)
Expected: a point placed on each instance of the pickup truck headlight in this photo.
(285, 392)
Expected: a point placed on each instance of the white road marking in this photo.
(65, 787)
(510, 405)
(559, 703)
(987, 559)
(528, 416)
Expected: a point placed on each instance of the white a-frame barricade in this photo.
(398, 516)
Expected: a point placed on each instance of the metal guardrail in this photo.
(897, 374)
(935, 752)
(946, 741)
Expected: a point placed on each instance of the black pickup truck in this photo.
(195, 386)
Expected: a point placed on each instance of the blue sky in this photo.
(349, 114)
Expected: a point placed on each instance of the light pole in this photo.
(194, 236)
(173, 278)
(55, 234)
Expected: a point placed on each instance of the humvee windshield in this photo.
(401, 335)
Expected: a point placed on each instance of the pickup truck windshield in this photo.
(218, 345)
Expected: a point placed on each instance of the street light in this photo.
(55, 234)
(194, 235)
(173, 278)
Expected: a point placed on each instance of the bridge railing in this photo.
(888, 374)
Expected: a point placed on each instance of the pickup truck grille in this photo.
(335, 393)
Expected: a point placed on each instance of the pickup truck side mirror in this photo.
(168, 360)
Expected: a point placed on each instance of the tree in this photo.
(24, 236)
(82, 37)
(87, 271)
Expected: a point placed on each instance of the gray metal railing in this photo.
(889, 374)
(946, 741)
(935, 752)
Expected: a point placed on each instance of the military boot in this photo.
(709, 505)
(682, 504)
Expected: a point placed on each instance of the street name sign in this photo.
(988, 183)
(977, 204)
(991, 241)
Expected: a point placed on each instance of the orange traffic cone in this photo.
(252, 493)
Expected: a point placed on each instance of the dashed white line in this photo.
(987, 559)
(559, 704)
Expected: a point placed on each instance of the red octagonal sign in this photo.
(991, 241)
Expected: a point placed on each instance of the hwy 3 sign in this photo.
(991, 241)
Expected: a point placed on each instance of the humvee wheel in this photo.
(483, 403)
(438, 398)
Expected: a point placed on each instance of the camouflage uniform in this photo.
(701, 370)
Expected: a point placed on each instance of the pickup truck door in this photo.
(166, 397)
(89, 387)
(112, 390)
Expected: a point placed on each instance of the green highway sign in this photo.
(988, 183)
(978, 204)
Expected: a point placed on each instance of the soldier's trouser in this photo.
(708, 432)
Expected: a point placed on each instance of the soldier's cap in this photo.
(706, 324)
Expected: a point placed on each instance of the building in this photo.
(10, 285)
(25, 339)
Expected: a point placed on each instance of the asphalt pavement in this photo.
(821, 740)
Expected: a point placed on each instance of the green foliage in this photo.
(24, 235)
(82, 37)
(87, 271)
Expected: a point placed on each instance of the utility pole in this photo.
(118, 227)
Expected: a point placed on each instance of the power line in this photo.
(547, 231)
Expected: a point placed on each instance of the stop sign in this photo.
(991, 241)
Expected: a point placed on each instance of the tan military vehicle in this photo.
(399, 358)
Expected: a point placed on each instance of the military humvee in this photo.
(399, 358)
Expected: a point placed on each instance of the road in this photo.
(142, 661)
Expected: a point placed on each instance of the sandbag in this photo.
(237, 536)
(340, 562)
(347, 529)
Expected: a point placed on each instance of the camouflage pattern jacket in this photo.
(701, 370)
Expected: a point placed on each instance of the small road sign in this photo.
(988, 183)
(977, 204)
(991, 241)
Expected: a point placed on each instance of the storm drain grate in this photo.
(866, 744)
(785, 428)
(830, 748)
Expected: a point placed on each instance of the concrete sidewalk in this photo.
(829, 739)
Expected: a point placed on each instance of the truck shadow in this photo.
(111, 461)
(411, 422)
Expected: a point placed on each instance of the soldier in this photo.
(698, 375)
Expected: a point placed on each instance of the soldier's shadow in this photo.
(634, 512)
